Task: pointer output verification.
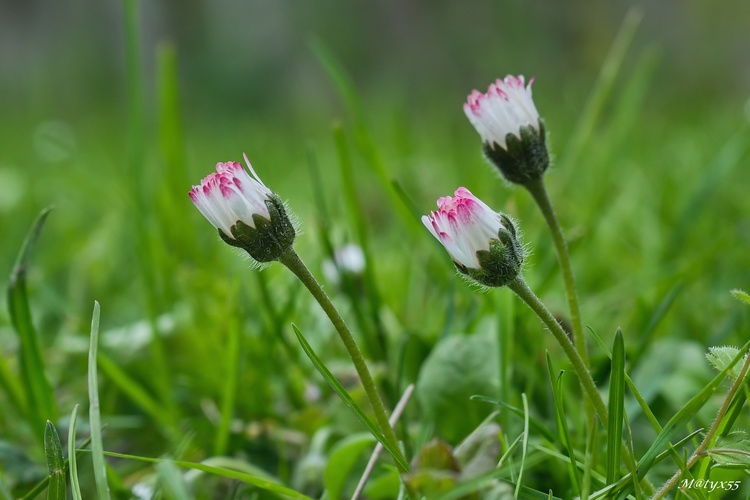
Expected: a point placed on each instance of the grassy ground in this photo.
(198, 361)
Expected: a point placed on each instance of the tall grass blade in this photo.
(647, 334)
(39, 396)
(95, 422)
(55, 463)
(75, 486)
(525, 442)
(616, 408)
(562, 424)
(4, 491)
(602, 88)
(233, 355)
(256, 481)
(339, 389)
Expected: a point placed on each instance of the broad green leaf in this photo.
(97, 447)
(40, 400)
(339, 389)
(720, 357)
(344, 457)
(258, 482)
(55, 463)
(742, 295)
(732, 450)
(458, 367)
(616, 408)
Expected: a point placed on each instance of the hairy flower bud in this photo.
(482, 243)
(512, 133)
(246, 213)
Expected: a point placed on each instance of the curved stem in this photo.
(539, 193)
(701, 449)
(521, 289)
(292, 261)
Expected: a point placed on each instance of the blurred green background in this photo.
(651, 181)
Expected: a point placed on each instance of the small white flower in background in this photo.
(504, 109)
(513, 135)
(246, 213)
(481, 242)
(349, 259)
(230, 195)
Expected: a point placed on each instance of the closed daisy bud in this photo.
(511, 130)
(481, 242)
(246, 213)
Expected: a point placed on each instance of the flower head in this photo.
(246, 213)
(481, 242)
(512, 132)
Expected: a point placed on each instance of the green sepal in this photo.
(502, 263)
(269, 239)
(524, 158)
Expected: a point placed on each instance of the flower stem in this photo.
(539, 192)
(521, 289)
(292, 261)
(701, 449)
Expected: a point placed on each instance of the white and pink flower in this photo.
(464, 225)
(504, 109)
(230, 195)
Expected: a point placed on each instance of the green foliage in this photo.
(196, 363)
(458, 367)
(55, 463)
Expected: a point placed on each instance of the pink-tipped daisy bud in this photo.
(512, 133)
(246, 213)
(482, 243)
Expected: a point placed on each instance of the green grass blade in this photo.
(75, 487)
(12, 388)
(602, 89)
(233, 356)
(39, 396)
(562, 423)
(525, 443)
(97, 447)
(4, 491)
(173, 484)
(538, 426)
(55, 463)
(616, 408)
(647, 335)
(133, 390)
(256, 481)
(339, 389)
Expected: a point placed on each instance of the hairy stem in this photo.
(292, 261)
(539, 193)
(521, 289)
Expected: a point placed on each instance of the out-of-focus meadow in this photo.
(352, 112)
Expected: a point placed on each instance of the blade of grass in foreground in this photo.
(616, 409)
(339, 389)
(223, 472)
(55, 463)
(562, 424)
(39, 396)
(97, 447)
(75, 487)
